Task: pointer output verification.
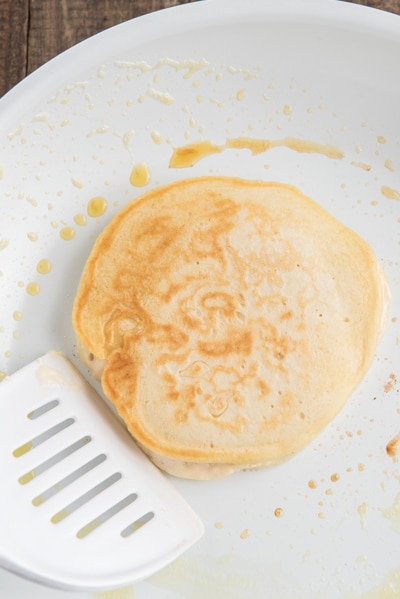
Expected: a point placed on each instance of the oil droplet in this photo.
(2, 375)
(381, 139)
(219, 525)
(278, 512)
(241, 95)
(33, 288)
(44, 266)
(17, 315)
(335, 477)
(391, 194)
(245, 533)
(287, 110)
(312, 484)
(67, 233)
(80, 219)
(140, 175)
(97, 206)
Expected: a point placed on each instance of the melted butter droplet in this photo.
(44, 266)
(97, 207)
(389, 165)
(2, 375)
(33, 288)
(67, 233)
(140, 175)
(32, 236)
(287, 110)
(156, 137)
(80, 219)
(391, 194)
(278, 512)
(18, 315)
(77, 182)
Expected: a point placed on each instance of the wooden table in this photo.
(34, 31)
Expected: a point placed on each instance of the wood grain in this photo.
(56, 25)
(14, 21)
(388, 5)
(34, 31)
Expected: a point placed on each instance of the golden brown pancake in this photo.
(229, 320)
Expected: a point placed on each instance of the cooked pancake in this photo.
(229, 321)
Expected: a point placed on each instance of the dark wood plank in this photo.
(14, 17)
(34, 31)
(56, 25)
(388, 5)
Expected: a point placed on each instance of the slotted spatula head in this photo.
(81, 507)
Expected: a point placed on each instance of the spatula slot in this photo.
(80, 501)
(50, 405)
(102, 518)
(137, 524)
(67, 480)
(55, 459)
(45, 436)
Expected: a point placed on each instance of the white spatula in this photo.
(81, 507)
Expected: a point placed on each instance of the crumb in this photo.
(390, 383)
(393, 448)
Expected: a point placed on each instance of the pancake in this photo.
(229, 321)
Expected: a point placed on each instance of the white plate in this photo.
(320, 71)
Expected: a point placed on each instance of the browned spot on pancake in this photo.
(238, 342)
(286, 315)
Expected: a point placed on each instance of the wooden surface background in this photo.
(34, 31)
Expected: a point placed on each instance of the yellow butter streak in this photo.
(189, 155)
